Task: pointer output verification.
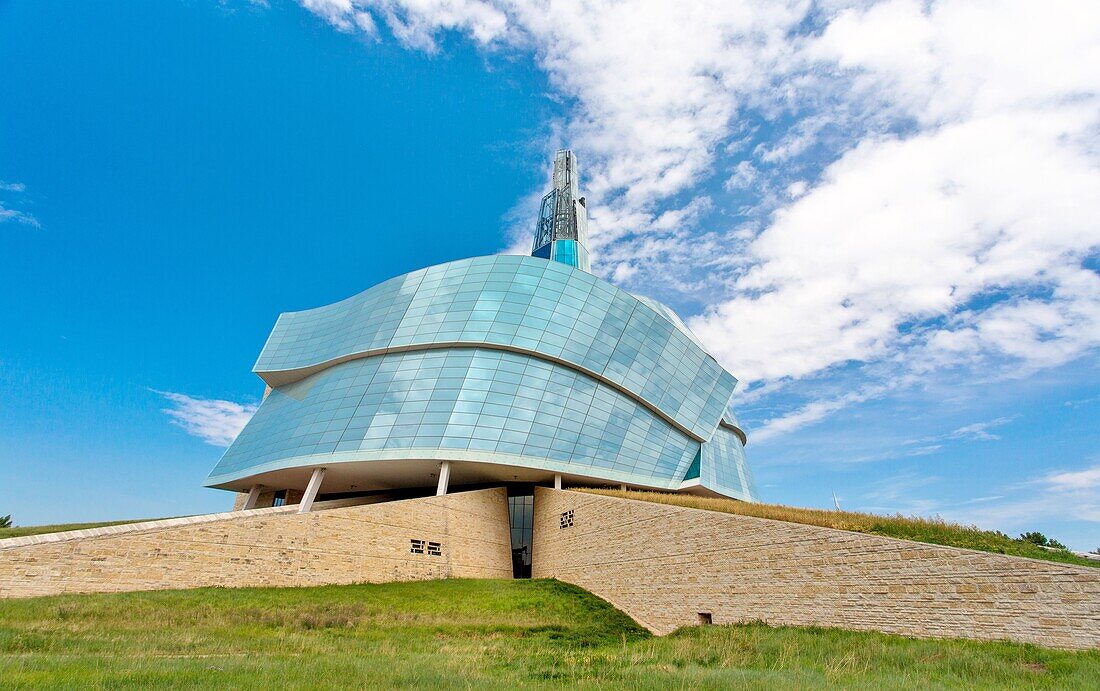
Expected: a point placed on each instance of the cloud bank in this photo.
(910, 187)
(215, 421)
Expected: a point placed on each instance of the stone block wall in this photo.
(270, 547)
(669, 566)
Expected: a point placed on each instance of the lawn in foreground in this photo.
(930, 530)
(463, 633)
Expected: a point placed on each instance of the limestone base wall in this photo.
(667, 565)
(271, 547)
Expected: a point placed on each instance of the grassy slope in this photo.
(20, 531)
(463, 633)
(933, 531)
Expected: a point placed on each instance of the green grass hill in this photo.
(468, 634)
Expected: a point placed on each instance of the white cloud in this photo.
(956, 240)
(744, 176)
(915, 229)
(216, 422)
(933, 169)
(811, 413)
(1060, 496)
(976, 431)
(1074, 480)
(15, 215)
(656, 85)
(979, 430)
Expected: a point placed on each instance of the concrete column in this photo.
(622, 487)
(253, 497)
(311, 490)
(557, 481)
(444, 478)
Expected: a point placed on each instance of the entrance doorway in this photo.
(521, 519)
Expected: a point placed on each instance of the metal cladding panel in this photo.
(723, 467)
(505, 406)
(514, 302)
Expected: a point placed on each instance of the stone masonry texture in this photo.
(667, 565)
(270, 547)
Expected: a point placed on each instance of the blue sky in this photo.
(881, 219)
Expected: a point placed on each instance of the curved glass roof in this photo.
(505, 360)
(525, 304)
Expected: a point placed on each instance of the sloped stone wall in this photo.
(666, 566)
(270, 547)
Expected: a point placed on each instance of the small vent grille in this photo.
(432, 549)
(566, 519)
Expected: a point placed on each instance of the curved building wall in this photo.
(523, 303)
(723, 467)
(506, 407)
(509, 361)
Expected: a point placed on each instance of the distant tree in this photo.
(5, 521)
(1035, 538)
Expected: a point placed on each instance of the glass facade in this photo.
(723, 467)
(488, 404)
(521, 362)
(510, 360)
(521, 303)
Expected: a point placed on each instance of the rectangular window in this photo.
(521, 521)
(435, 549)
(417, 546)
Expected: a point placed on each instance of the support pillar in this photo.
(622, 487)
(253, 497)
(557, 481)
(311, 490)
(444, 478)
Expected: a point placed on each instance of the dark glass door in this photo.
(521, 518)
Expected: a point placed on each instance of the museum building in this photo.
(499, 370)
(426, 428)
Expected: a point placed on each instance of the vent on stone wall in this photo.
(432, 549)
(705, 619)
(566, 519)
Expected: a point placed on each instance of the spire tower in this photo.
(561, 234)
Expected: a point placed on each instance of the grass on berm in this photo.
(467, 634)
(22, 531)
(931, 530)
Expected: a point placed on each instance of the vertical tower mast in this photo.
(561, 233)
